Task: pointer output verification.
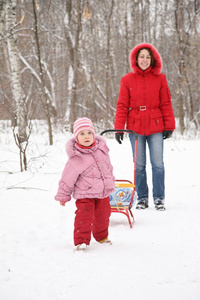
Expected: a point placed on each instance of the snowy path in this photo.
(159, 258)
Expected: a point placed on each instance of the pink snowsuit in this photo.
(88, 176)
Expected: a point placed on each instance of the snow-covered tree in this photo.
(20, 126)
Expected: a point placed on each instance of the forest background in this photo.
(64, 59)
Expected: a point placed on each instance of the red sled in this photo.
(125, 195)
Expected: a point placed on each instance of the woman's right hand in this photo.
(119, 137)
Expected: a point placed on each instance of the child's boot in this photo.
(81, 247)
(105, 241)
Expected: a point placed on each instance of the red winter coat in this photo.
(144, 102)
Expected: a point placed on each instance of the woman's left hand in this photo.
(167, 134)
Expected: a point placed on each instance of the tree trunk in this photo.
(2, 14)
(73, 41)
(179, 26)
(20, 111)
(108, 75)
(44, 95)
(126, 36)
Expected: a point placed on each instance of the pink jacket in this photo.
(88, 173)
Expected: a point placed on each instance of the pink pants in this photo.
(92, 216)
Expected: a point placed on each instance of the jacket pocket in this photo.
(134, 123)
(156, 124)
(84, 183)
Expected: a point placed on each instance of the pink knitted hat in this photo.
(82, 124)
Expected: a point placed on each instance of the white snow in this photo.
(158, 259)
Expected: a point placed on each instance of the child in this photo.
(88, 174)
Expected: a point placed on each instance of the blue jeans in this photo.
(155, 144)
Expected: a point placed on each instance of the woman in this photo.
(144, 105)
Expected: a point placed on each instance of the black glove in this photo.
(167, 134)
(119, 137)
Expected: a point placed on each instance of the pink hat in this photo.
(82, 124)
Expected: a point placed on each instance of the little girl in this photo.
(88, 175)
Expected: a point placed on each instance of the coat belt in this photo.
(144, 107)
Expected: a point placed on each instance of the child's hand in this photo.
(62, 203)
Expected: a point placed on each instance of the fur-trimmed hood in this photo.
(158, 61)
(72, 149)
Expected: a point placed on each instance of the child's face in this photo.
(85, 138)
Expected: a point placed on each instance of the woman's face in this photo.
(144, 59)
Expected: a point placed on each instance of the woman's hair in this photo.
(150, 53)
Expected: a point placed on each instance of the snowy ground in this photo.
(158, 259)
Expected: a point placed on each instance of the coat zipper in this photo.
(145, 103)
